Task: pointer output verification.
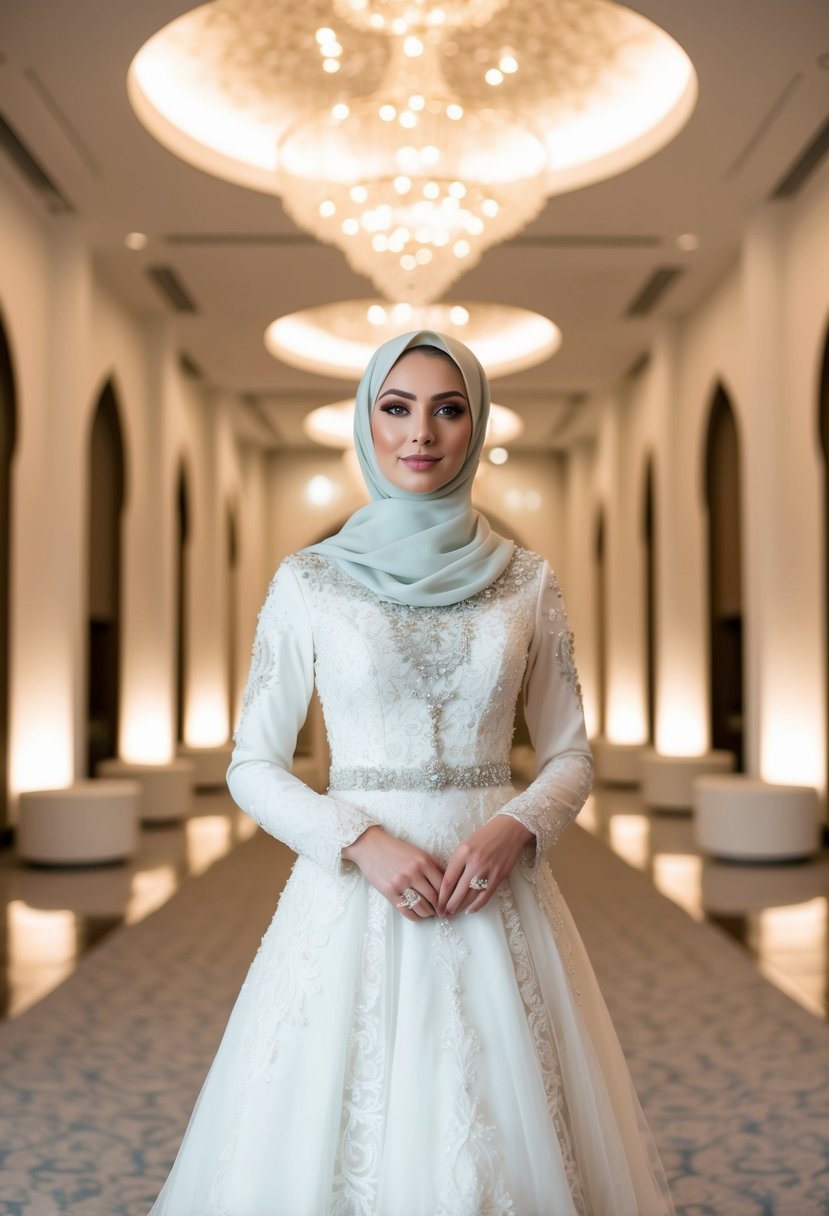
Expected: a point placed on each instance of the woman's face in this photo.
(421, 423)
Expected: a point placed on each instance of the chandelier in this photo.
(409, 133)
(410, 182)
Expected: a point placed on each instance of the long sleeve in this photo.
(553, 708)
(274, 707)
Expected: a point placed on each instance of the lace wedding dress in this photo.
(373, 1066)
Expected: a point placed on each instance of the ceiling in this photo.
(763, 70)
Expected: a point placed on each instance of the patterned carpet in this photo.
(97, 1082)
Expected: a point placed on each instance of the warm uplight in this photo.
(41, 751)
(339, 339)
(792, 743)
(146, 731)
(681, 727)
(625, 711)
(206, 721)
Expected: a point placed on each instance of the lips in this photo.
(420, 462)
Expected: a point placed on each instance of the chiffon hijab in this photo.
(428, 549)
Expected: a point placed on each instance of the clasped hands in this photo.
(393, 865)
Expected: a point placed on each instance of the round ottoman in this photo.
(744, 819)
(89, 822)
(166, 789)
(668, 781)
(617, 763)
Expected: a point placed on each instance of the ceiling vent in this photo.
(33, 171)
(172, 288)
(652, 292)
(804, 166)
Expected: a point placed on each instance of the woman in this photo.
(420, 1033)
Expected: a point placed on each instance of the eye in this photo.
(451, 411)
(397, 409)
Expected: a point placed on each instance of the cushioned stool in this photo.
(166, 789)
(744, 819)
(668, 781)
(89, 822)
(617, 763)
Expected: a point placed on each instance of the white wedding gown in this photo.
(373, 1066)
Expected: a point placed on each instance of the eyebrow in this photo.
(399, 392)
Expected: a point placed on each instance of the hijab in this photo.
(424, 549)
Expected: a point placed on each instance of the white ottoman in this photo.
(745, 819)
(89, 822)
(166, 789)
(668, 781)
(617, 763)
(210, 764)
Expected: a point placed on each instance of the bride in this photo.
(420, 1032)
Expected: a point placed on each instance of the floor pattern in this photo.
(97, 1081)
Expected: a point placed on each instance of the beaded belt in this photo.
(432, 776)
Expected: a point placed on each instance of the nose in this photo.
(423, 429)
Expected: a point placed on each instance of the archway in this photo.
(649, 564)
(601, 622)
(105, 506)
(8, 427)
(823, 423)
(725, 577)
(232, 558)
(184, 530)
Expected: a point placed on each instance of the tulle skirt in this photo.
(373, 1066)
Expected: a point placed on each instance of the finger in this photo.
(481, 899)
(421, 909)
(450, 881)
(461, 893)
(434, 876)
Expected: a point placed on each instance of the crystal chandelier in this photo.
(410, 182)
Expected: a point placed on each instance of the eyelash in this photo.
(456, 410)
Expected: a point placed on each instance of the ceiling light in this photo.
(339, 339)
(222, 86)
(136, 240)
(688, 242)
(499, 455)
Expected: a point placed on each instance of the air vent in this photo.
(172, 288)
(804, 166)
(652, 292)
(32, 169)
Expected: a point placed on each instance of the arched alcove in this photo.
(232, 589)
(823, 423)
(184, 531)
(600, 583)
(725, 576)
(649, 568)
(8, 428)
(105, 505)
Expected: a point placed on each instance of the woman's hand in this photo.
(490, 852)
(392, 865)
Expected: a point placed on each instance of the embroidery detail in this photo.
(550, 900)
(474, 1184)
(565, 641)
(551, 802)
(263, 666)
(539, 1023)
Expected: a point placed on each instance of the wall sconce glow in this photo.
(499, 455)
(625, 722)
(681, 728)
(206, 722)
(339, 339)
(146, 730)
(332, 427)
(41, 751)
(792, 744)
(321, 491)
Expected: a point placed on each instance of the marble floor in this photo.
(779, 914)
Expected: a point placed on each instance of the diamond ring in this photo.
(409, 898)
(478, 883)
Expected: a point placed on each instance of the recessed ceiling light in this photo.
(136, 240)
(687, 242)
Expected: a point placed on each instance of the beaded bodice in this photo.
(428, 692)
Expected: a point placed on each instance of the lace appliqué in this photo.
(474, 1182)
(279, 982)
(263, 671)
(549, 897)
(361, 1129)
(539, 1023)
(551, 802)
(565, 642)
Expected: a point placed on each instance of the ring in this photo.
(478, 883)
(409, 898)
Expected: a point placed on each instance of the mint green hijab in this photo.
(422, 549)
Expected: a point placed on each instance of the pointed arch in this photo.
(723, 497)
(8, 440)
